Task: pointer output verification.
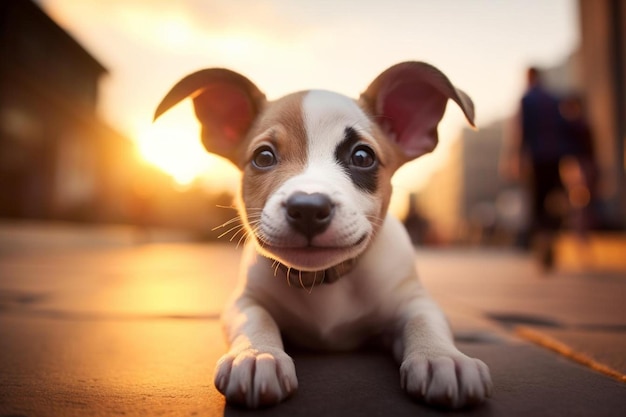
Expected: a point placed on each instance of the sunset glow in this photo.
(173, 144)
(286, 46)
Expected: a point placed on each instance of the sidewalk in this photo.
(124, 329)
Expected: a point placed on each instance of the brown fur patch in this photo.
(282, 126)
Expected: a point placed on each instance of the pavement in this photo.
(93, 323)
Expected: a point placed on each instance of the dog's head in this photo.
(317, 165)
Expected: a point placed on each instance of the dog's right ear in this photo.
(226, 104)
(408, 100)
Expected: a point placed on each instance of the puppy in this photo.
(326, 267)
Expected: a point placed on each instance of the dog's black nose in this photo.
(309, 214)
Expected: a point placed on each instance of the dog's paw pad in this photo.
(256, 377)
(451, 381)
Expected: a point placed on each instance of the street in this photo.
(119, 328)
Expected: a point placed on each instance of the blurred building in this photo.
(463, 200)
(603, 73)
(58, 159)
(52, 144)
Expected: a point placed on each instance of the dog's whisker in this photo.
(253, 221)
(243, 229)
(247, 232)
(374, 217)
(227, 223)
(300, 279)
(225, 233)
(377, 221)
(314, 279)
(275, 266)
(236, 227)
(231, 207)
(259, 239)
(245, 238)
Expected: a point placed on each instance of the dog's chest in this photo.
(342, 315)
(339, 316)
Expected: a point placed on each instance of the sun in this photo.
(172, 144)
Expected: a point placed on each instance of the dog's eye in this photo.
(363, 157)
(264, 158)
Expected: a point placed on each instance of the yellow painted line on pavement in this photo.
(561, 348)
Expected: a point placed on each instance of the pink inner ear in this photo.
(226, 111)
(411, 113)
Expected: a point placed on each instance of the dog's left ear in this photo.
(226, 104)
(408, 100)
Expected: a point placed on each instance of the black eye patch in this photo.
(358, 160)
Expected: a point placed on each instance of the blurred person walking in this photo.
(534, 158)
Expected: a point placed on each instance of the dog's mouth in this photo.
(309, 257)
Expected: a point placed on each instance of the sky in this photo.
(483, 46)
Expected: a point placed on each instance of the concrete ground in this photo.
(92, 323)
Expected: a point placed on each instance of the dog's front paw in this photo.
(256, 377)
(453, 381)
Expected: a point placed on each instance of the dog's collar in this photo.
(310, 279)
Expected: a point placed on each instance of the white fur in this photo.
(326, 115)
